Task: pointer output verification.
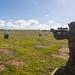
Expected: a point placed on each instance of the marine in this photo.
(70, 36)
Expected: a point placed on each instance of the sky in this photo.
(36, 14)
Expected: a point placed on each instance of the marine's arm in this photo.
(60, 35)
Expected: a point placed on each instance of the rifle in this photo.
(60, 30)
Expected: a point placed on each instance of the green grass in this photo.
(37, 60)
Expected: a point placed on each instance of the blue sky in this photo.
(36, 14)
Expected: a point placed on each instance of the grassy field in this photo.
(25, 53)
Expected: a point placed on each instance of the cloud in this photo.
(58, 25)
(44, 27)
(41, 27)
(55, 26)
(23, 24)
(51, 21)
(10, 25)
(2, 24)
(29, 24)
(33, 22)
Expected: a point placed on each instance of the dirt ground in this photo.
(17, 62)
(62, 53)
(2, 67)
(41, 46)
(14, 61)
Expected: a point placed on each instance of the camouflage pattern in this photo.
(70, 35)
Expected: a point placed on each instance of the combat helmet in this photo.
(72, 25)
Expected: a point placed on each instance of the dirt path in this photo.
(62, 53)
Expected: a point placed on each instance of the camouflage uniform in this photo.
(70, 35)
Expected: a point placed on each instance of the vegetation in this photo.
(25, 53)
